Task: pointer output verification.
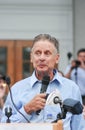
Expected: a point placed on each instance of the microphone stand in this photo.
(8, 113)
(69, 105)
(61, 115)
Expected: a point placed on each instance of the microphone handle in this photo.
(45, 82)
(43, 88)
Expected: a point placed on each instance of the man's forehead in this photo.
(43, 45)
(82, 54)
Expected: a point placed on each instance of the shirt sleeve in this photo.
(78, 122)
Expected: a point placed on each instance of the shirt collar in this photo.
(34, 79)
(57, 78)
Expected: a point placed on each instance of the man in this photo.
(84, 112)
(76, 72)
(26, 93)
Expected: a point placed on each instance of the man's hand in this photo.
(82, 65)
(37, 103)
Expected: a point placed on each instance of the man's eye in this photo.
(37, 53)
(47, 53)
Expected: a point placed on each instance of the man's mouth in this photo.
(42, 65)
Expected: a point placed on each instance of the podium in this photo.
(31, 126)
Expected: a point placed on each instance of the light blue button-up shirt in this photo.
(79, 79)
(24, 90)
(78, 76)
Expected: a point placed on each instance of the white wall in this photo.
(24, 19)
(79, 24)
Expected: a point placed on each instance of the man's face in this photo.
(81, 57)
(44, 56)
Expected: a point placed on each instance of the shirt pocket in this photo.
(51, 112)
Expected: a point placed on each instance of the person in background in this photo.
(76, 72)
(27, 93)
(3, 92)
(84, 112)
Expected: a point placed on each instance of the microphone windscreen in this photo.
(54, 95)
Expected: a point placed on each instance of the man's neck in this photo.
(40, 75)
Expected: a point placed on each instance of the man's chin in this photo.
(43, 72)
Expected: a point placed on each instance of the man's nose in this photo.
(42, 56)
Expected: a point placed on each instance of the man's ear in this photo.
(31, 58)
(57, 58)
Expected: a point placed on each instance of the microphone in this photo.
(54, 98)
(45, 82)
(69, 105)
(72, 106)
(8, 113)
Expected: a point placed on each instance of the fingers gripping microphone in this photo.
(45, 82)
